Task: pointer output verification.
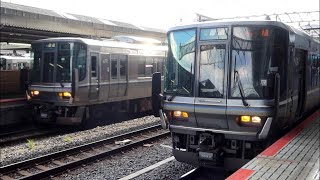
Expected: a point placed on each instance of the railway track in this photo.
(23, 134)
(59, 162)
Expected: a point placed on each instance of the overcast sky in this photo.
(166, 13)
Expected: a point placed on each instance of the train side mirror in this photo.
(75, 82)
(156, 90)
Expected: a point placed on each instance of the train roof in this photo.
(231, 22)
(15, 57)
(113, 43)
(243, 22)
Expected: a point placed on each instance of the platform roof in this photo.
(23, 24)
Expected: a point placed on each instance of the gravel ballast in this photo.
(132, 161)
(172, 170)
(23, 151)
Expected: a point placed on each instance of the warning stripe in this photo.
(241, 174)
(11, 100)
(279, 144)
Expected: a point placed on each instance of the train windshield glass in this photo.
(37, 55)
(63, 62)
(53, 61)
(180, 62)
(257, 55)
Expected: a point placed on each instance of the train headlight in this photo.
(245, 119)
(180, 115)
(65, 95)
(35, 93)
(256, 119)
(250, 120)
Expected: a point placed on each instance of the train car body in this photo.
(231, 85)
(14, 62)
(73, 80)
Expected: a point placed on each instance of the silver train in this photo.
(14, 62)
(231, 86)
(76, 80)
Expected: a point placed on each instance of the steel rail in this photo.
(13, 137)
(74, 163)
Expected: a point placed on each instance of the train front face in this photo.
(51, 90)
(219, 90)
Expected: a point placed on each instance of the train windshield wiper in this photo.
(178, 91)
(60, 76)
(238, 81)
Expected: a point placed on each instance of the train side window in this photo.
(149, 66)
(93, 66)
(314, 70)
(141, 67)
(114, 70)
(159, 62)
(123, 69)
(105, 67)
(3, 63)
(80, 59)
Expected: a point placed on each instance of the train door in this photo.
(94, 76)
(113, 88)
(48, 66)
(210, 102)
(122, 75)
(300, 82)
(105, 75)
(119, 75)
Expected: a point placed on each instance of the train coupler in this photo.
(209, 149)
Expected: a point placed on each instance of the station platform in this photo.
(10, 101)
(294, 156)
(14, 111)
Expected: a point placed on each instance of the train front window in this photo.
(63, 63)
(257, 54)
(212, 59)
(53, 61)
(37, 54)
(180, 63)
(48, 67)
